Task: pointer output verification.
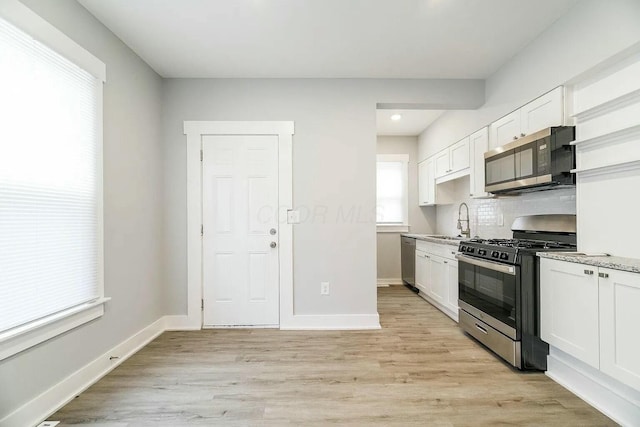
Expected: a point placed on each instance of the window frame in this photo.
(396, 227)
(20, 338)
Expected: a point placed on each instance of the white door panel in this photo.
(240, 199)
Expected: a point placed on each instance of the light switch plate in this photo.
(293, 217)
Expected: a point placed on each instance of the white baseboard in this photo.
(340, 322)
(180, 323)
(389, 282)
(42, 406)
(614, 399)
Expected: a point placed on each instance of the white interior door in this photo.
(240, 230)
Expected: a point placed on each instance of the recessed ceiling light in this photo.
(396, 117)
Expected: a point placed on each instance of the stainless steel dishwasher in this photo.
(408, 261)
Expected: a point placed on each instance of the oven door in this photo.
(489, 291)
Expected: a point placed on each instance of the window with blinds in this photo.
(50, 181)
(392, 190)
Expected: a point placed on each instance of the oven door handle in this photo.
(490, 265)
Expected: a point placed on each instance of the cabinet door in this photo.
(452, 286)
(438, 279)
(459, 155)
(422, 272)
(504, 130)
(569, 309)
(423, 184)
(542, 112)
(442, 163)
(619, 321)
(479, 144)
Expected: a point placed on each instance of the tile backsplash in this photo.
(493, 217)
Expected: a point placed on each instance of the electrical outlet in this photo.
(500, 220)
(324, 288)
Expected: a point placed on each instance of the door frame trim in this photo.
(195, 131)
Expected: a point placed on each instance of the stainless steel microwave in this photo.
(539, 161)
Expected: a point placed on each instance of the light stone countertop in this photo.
(435, 238)
(613, 262)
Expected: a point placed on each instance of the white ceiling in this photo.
(327, 38)
(412, 123)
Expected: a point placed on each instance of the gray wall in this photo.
(334, 149)
(590, 33)
(421, 219)
(133, 206)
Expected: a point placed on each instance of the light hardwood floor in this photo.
(418, 370)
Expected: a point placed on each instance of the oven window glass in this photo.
(500, 169)
(491, 292)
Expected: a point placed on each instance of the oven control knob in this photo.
(482, 252)
(504, 255)
(495, 254)
(470, 250)
(463, 248)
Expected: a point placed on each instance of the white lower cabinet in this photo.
(569, 309)
(437, 276)
(592, 313)
(452, 287)
(619, 322)
(422, 271)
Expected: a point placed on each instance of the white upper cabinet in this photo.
(453, 159)
(542, 112)
(424, 189)
(428, 193)
(459, 155)
(504, 130)
(443, 166)
(478, 145)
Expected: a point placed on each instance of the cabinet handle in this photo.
(515, 137)
(522, 134)
(603, 275)
(481, 329)
(588, 272)
(446, 262)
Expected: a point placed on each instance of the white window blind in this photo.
(50, 187)
(391, 187)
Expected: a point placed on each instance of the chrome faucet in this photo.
(467, 231)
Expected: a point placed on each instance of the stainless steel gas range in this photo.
(499, 288)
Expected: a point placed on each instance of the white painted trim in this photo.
(42, 406)
(617, 401)
(331, 322)
(195, 130)
(25, 336)
(390, 282)
(179, 323)
(28, 21)
(392, 228)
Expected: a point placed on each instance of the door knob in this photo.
(273, 244)
(272, 231)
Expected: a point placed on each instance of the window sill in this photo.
(380, 228)
(23, 337)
